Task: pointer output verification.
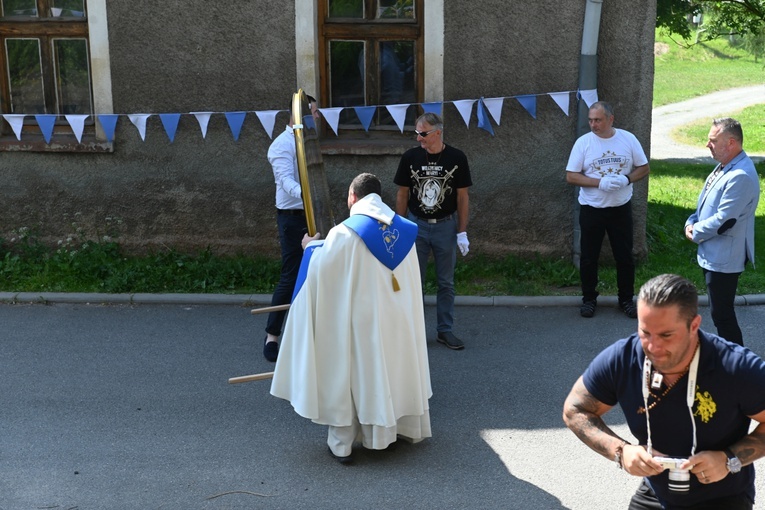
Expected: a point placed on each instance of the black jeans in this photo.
(645, 499)
(721, 288)
(292, 227)
(595, 223)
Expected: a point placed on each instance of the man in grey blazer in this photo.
(723, 224)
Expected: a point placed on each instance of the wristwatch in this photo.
(618, 455)
(734, 464)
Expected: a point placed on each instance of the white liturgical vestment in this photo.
(352, 345)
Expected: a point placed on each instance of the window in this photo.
(45, 64)
(371, 54)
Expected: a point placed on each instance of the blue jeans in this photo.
(291, 230)
(441, 239)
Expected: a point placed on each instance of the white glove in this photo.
(609, 183)
(622, 179)
(463, 243)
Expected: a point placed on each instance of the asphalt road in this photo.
(128, 406)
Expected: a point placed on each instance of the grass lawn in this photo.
(683, 73)
(752, 120)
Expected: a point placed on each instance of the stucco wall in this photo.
(219, 56)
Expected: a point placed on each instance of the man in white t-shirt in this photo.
(604, 164)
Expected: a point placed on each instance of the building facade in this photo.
(145, 57)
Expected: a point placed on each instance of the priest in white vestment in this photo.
(353, 354)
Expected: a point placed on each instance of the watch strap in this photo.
(734, 463)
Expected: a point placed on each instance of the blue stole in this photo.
(390, 244)
(303, 271)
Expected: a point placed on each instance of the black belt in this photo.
(291, 212)
(436, 220)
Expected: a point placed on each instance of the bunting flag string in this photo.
(365, 115)
(483, 119)
(77, 123)
(139, 121)
(170, 123)
(203, 118)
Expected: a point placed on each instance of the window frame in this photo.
(372, 31)
(47, 29)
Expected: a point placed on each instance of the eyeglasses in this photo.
(424, 133)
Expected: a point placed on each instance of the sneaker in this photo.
(629, 309)
(588, 308)
(270, 350)
(452, 342)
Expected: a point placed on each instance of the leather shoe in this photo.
(270, 350)
(452, 342)
(342, 460)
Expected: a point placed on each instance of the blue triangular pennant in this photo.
(365, 115)
(170, 121)
(436, 108)
(235, 121)
(483, 119)
(530, 103)
(108, 122)
(46, 123)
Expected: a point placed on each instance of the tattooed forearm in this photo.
(751, 447)
(582, 414)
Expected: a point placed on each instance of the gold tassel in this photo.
(396, 288)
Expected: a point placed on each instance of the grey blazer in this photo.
(723, 224)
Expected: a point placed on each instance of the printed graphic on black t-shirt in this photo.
(431, 185)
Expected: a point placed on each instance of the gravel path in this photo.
(668, 117)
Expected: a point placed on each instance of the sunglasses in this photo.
(424, 133)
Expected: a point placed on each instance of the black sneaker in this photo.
(452, 342)
(588, 308)
(629, 309)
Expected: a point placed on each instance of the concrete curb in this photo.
(265, 299)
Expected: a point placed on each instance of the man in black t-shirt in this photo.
(433, 182)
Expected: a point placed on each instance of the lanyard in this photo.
(690, 394)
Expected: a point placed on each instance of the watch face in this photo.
(734, 465)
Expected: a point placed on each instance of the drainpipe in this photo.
(588, 80)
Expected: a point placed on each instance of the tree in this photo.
(722, 17)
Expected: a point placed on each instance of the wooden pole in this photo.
(253, 377)
(269, 309)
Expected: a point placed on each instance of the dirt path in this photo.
(668, 117)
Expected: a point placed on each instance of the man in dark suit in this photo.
(723, 224)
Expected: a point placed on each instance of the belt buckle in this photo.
(432, 220)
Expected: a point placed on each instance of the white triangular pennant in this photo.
(465, 107)
(398, 112)
(268, 119)
(494, 105)
(203, 118)
(16, 120)
(590, 96)
(561, 99)
(332, 116)
(139, 121)
(77, 123)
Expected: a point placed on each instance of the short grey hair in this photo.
(433, 119)
(730, 126)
